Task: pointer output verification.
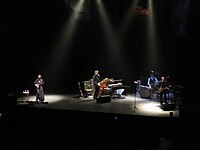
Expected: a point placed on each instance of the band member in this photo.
(39, 82)
(163, 89)
(152, 84)
(96, 80)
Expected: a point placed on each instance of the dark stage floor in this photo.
(75, 122)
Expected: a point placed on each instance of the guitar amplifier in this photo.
(104, 99)
(87, 85)
(87, 88)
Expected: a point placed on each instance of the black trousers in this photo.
(96, 91)
(163, 97)
(40, 94)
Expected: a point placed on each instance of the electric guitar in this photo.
(165, 88)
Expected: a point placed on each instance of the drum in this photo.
(144, 92)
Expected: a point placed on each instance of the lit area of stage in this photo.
(128, 104)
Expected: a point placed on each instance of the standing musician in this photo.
(163, 89)
(96, 79)
(39, 82)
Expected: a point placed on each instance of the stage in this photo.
(127, 105)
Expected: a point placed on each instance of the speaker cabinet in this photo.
(167, 107)
(104, 99)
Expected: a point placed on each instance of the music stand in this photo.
(26, 94)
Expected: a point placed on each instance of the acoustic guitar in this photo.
(37, 85)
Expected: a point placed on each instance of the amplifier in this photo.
(167, 107)
(104, 99)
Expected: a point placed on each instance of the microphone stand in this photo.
(135, 107)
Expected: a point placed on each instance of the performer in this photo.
(163, 89)
(39, 82)
(152, 84)
(96, 79)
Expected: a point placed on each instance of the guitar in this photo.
(81, 92)
(165, 88)
(37, 85)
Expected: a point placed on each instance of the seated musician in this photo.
(152, 83)
(103, 86)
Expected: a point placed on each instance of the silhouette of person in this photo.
(39, 82)
(163, 90)
(96, 79)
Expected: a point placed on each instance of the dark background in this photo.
(30, 29)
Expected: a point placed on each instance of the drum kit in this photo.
(144, 91)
